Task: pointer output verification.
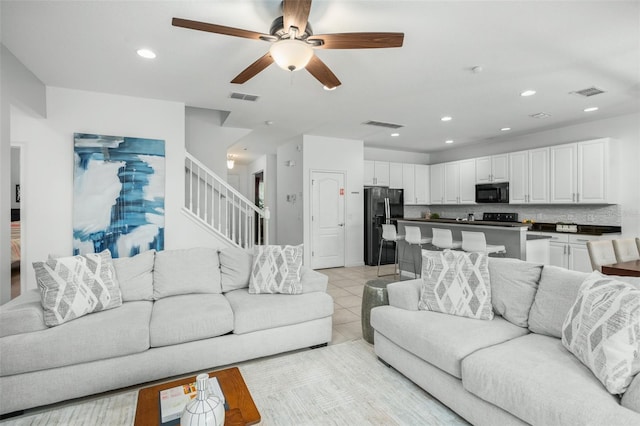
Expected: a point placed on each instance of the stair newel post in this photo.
(267, 215)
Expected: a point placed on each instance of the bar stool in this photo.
(443, 239)
(414, 237)
(389, 234)
(477, 242)
(626, 250)
(601, 253)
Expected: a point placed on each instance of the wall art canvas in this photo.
(118, 200)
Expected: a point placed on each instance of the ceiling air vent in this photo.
(589, 91)
(540, 115)
(243, 96)
(383, 124)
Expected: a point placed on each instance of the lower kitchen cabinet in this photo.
(570, 250)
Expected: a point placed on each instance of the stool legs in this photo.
(380, 254)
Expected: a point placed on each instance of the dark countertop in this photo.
(582, 229)
(467, 222)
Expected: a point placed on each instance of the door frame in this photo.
(312, 174)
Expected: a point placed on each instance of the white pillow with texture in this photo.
(602, 329)
(71, 287)
(276, 269)
(456, 283)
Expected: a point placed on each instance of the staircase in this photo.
(216, 205)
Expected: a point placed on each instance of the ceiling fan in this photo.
(292, 42)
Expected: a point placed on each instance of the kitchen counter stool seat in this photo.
(414, 237)
(443, 239)
(477, 242)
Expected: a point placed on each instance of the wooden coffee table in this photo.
(242, 410)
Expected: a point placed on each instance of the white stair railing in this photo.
(221, 208)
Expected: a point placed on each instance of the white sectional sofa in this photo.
(183, 311)
(510, 370)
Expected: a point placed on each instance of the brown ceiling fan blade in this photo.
(253, 69)
(218, 29)
(296, 14)
(359, 40)
(322, 73)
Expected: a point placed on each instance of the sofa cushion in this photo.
(186, 271)
(441, 339)
(514, 284)
(535, 378)
(456, 283)
(253, 312)
(276, 269)
(189, 317)
(602, 329)
(557, 290)
(23, 314)
(73, 286)
(135, 275)
(631, 398)
(235, 268)
(102, 335)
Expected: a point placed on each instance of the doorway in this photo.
(327, 220)
(16, 223)
(258, 199)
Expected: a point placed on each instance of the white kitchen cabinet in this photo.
(529, 176)
(452, 183)
(421, 184)
(408, 183)
(395, 175)
(459, 182)
(376, 173)
(570, 250)
(436, 174)
(492, 169)
(467, 181)
(582, 173)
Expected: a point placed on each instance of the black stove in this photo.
(500, 217)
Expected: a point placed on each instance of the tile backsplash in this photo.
(582, 214)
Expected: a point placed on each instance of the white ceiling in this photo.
(554, 47)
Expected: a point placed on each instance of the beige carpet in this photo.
(341, 384)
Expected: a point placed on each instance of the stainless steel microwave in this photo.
(492, 192)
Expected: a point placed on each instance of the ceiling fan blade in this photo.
(218, 29)
(296, 14)
(253, 69)
(322, 73)
(358, 40)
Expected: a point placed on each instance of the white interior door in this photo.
(327, 219)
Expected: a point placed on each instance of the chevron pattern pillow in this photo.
(71, 287)
(276, 269)
(602, 329)
(456, 283)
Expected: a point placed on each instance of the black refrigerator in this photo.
(381, 205)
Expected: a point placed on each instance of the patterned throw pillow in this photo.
(602, 330)
(276, 269)
(456, 283)
(71, 287)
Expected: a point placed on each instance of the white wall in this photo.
(290, 193)
(344, 155)
(394, 156)
(19, 87)
(48, 167)
(207, 140)
(15, 176)
(624, 129)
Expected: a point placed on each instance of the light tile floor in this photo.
(345, 286)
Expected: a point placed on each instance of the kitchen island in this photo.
(513, 235)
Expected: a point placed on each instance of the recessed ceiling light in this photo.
(446, 118)
(528, 93)
(329, 88)
(590, 109)
(146, 53)
(395, 135)
(505, 129)
(448, 141)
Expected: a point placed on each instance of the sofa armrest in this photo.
(24, 314)
(405, 294)
(313, 281)
(631, 398)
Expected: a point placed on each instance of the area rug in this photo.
(342, 384)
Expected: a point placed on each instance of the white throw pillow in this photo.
(602, 329)
(456, 283)
(71, 287)
(135, 275)
(276, 269)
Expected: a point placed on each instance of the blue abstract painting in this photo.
(118, 200)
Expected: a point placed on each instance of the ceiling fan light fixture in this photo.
(291, 55)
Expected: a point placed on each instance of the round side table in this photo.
(374, 294)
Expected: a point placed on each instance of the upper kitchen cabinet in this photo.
(459, 182)
(395, 175)
(529, 177)
(415, 179)
(491, 169)
(376, 173)
(582, 173)
(436, 174)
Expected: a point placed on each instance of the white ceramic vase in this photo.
(205, 409)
